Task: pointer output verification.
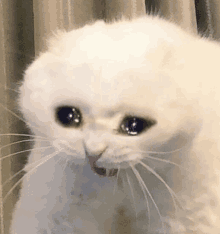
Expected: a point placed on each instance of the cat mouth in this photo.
(105, 172)
(101, 171)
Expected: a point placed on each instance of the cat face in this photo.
(113, 106)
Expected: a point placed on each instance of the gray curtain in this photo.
(24, 26)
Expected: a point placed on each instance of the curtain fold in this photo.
(7, 45)
(16, 51)
(4, 169)
(182, 12)
(50, 15)
(25, 26)
(179, 11)
(127, 8)
(214, 15)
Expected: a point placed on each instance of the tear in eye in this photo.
(134, 125)
(68, 116)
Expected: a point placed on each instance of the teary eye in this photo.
(68, 116)
(134, 125)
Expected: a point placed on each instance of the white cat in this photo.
(130, 116)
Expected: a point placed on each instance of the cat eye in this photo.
(133, 126)
(68, 116)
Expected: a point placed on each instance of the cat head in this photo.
(106, 92)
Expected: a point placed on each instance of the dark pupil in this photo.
(134, 125)
(69, 116)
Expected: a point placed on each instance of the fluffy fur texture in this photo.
(168, 176)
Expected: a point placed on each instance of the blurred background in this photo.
(24, 27)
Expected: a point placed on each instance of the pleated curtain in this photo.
(24, 28)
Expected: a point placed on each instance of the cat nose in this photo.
(93, 158)
(95, 142)
(94, 152)
(94, 149)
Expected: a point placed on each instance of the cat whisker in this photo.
(48, 157)
(14, 90)
(144, 187)
(161, 152)
(67, 144)
(62, 144)
(167, 161)
(23, 151)
(66, 159)
(116, 183)
(162, 160)
(17, 173)
(25, 135)
(66, 162)
(172, 193)
(17, 142)
(108, 171)
(20, 118)
(132, 193)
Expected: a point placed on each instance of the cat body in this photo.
(147, 72)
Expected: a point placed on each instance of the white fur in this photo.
(146, 67)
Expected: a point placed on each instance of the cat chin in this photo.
(104, 172)
(115, 165)
(106, 169)
(103, 168)
(105, 163)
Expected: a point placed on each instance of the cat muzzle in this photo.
(104, 171)
(101, 171)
